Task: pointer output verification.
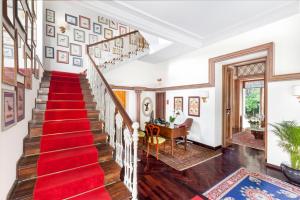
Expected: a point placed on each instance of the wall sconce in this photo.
(63, 26)
(204, 96)
(296, 91)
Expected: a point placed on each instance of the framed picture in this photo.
(79, 35)
(113, 24)
(63, 40)
(77, 62)
(62, 57)
(49, 52)
(119, 42)
(50, 16)
(84, 22)
(194, 106)
(21, 15)
(70, 19)
(29, 70)
(8, 108)
(9, 69)
(20, 100)
(97, 52)
(21, 56)
(102, 20)
(122, 29)
(29, 31)
(50, 30)
(178, 104)
(36, 67)
(97, 28)
(75, 50)
(8, 10)
(108, 33)
(93, 39)
(106, 46)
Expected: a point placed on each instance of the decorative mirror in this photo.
(147, 106)
(21, 56)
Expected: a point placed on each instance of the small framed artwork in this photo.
(21, 56)
(113, 24)
(70, 19)
(8, 10)
(50, 16)
(20, 100)
(97, 28)
(62, 57)
(84, 22)
(108, 33)
(178, 104)
(29, 31)
(119, 42)
(79, 35)
(75, 50)
(102, 20)
(106, 46)
(122, 29)
(29, 70)
(49, 52)
(63, 40)
(50, 30)
(8, 51)
(21, 15)
(93, 39)
(194, 106)
(97, 52)
(36, 67)
(8, 108)
(77, 62)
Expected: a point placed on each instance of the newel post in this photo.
(135, 139)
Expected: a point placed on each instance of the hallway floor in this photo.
(157, 180)
(245, 138)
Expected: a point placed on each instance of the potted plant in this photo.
(289, 135)
(172, 120)
(254, 122)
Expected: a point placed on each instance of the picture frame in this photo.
(49, 52)
(8, 109)
(123, 29)
(62, 40)
(108, 33)
(29, 31)
(37, 68)
(75, 50)
(93, 39)
(77, 62)
(178, 104)
(103, 20)
(50, 16)
(106, 46)
(29, 70)
(79, 35)
(20, 101)
(70, 19)
(62, 57)
(97, 28)
(119, 42)
(50, 30)
(8, 11)
(8, 58)
(21, 56)
(97, 52)
(113, 24)
(21, 15)
(194, 106)
(84, 22)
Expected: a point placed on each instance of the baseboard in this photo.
(273, 166)
(205, 145)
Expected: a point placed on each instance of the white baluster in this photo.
(135, 139)
(119, 139)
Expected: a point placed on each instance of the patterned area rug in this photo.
(247, 139)
(245, 185)
(182, 159)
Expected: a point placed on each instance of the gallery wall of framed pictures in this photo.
(19, 43)
(65, 46)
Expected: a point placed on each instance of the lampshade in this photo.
(296, 90)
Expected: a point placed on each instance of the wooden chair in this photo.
(153, 138)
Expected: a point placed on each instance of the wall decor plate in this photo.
(93, 39)
(21, 56)
(147, 106)
(70, 19)
(8, 108)
(20, 100)
(194, 106)
(50, 30)
(50, 16)
(49, 52)
(123, 29)
(97, 28)
(75, 50)
(108, 33)
(63, 40)
(77, 62)
(103, 20)
(113, 24)
(178, 104)
(62, 57)
(79, 35)
(84, 22)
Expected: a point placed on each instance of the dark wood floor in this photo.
(157, 180)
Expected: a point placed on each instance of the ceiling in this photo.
(192, 24)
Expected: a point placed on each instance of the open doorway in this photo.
(244, 103)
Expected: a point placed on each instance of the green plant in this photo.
(172, 119)
(289, 134)
(252, 102)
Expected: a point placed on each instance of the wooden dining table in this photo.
(172, 134)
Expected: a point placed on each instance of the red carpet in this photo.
(68, 164)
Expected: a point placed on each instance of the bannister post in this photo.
(135, 139)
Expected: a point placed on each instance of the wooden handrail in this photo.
(119, 36)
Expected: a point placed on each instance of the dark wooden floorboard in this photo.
(157, 180)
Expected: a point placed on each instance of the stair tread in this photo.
(118, 191)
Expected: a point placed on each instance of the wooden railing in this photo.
(123, 133)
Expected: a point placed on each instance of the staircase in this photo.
(66, 153)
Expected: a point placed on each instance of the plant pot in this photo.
(292, 175)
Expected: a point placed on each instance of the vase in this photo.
(293, 175)
(171, 125)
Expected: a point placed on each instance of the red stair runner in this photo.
(68, 164)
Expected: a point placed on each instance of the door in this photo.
(160, 111)
(228, 90)
(121, 95)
